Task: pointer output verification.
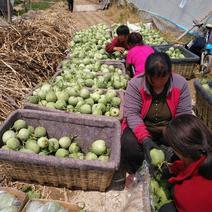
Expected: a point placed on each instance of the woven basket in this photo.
(67, 172)
(203, 108)
(28, 105)
(184, 66)
(185, 70)
(116, 64)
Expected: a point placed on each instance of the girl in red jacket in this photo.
(191, 140)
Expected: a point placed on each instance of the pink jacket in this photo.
(137, 57)
(192, 192)
(138, 99)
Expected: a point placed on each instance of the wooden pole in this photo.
(8, 11)
(194, 26)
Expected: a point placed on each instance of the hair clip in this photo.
(203, 151)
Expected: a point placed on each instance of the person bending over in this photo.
(137, 54)
(119, 43)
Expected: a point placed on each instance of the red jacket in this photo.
(192, 192)
(137, 101)
(115, 43)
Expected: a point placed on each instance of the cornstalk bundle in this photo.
(30, 50)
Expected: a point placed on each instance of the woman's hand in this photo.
(168, 151)
(148, 144)
(166, 171)
(169, 207)
(119, 49)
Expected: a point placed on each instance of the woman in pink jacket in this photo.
(137, 54)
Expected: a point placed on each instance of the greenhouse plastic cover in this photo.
(179, 12)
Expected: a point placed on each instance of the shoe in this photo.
(130, 178)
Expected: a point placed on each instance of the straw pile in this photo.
(30, 50)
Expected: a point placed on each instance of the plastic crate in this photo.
(65, 172)
(184, 66)
(203, 108)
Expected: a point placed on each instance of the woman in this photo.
(137, 54)
(191, 140)
(151, 101)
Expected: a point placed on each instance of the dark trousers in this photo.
(70, 5)
(169, 207)
(132, 154)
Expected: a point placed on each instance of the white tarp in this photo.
(180, 12)
(12, 2)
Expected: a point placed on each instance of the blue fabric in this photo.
(199, 42)
(209, 48)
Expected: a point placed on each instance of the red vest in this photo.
(192, 192)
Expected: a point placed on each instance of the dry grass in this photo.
(123, 14)
(30, 50)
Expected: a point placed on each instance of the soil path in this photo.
(86, 19)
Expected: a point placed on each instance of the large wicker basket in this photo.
(116, 63)
(184, 66)
(67, 172)
(28, 105)
(203, 108)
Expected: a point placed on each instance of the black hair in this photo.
(158, 64)
(123, 30)
(134, 39)
(191, 138)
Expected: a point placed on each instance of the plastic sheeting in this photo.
(179, 12)
(12, 2)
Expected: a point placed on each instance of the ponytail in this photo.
(135, 39)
